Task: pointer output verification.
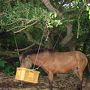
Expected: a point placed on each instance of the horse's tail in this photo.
(87, 70)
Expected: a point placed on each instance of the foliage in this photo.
(88, 9)
(27, 12)
(25, 16)
(7, 68)
(2, 63)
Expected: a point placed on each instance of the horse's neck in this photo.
(35, 59)
(39, 59)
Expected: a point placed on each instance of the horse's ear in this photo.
(29, 61)
(20, 58)
(29, 58)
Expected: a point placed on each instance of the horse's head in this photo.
(25, 61)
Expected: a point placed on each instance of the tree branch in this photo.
(50, 7)
(8, 53)
(69, 35)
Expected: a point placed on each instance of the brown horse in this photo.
(56, 62)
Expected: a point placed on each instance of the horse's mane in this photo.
(36, 50)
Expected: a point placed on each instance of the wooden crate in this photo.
(27, 75)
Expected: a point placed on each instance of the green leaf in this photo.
(89, 17)
(9, 70)
(87, 8)
(55, 15)
(89, 12)
(2, 63)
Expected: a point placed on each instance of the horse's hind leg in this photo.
(79, 74)
(50, 77)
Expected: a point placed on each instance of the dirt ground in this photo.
(61, 82)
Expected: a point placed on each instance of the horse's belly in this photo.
(58, 68)
(63, 70)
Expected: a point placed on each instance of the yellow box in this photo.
(27, 75)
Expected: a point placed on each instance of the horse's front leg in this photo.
(50, 77)
(50, 85)
(80, 85)
(80, 88)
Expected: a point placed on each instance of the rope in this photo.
(40, 46)
(56, 42)
(47, 36)
(38, 51)
(16, 44)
